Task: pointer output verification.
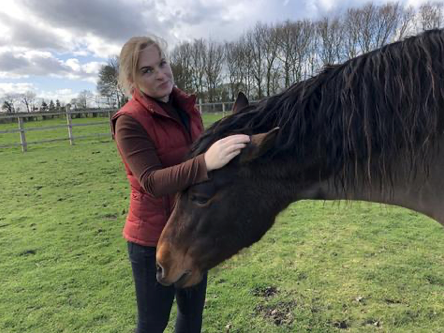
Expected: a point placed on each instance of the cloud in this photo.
(25, 64)
(33, 36)
(38, 63)
(15, 88)
(99, 21)
(63, 95)
(11, 63)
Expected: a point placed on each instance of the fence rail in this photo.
(22, 118)
(24, 143)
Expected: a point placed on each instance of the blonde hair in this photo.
(129, 58)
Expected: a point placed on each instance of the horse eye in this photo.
(199, 199)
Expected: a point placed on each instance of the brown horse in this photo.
(370, 129)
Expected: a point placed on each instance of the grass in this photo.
(322, 268)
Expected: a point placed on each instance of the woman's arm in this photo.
(140, 154)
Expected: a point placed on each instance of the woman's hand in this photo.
(224, 150)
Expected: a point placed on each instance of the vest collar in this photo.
(184, 102)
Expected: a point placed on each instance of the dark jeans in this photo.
(154, 301)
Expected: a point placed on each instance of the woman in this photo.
(153, 132)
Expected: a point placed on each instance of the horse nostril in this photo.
(159, 272)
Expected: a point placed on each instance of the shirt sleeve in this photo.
(139, 152)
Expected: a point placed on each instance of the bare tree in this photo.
(28, 99)
(213, 60)
(352, 26)
(10, 102)
(73, 103)
(330, 33)
(313, 62)
(247, 61)
(7, 107)
(270, 46)
(180, 60)
(389, 17)
(197, 66)
(84, 99)
(254, 42)
(238, 63)
(430, 16)
(295, 39)
(286, 49)
(108, 85)
(371, 27)
(406, 25)
(233, 62)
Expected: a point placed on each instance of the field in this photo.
(324, 267)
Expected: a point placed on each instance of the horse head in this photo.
(215, 219)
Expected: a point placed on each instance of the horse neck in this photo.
(424, 193)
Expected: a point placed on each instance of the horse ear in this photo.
(259, 145)
(241, 102)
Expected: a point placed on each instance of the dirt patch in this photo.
(392, 301)
(280, 314)
(111, 216)
(373, 322)
(27, 253)
(266, 292)
(342, 324)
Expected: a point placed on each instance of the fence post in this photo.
(200, 105)
(69, 123)
(110, 115)
(223, 109)
(22, 135)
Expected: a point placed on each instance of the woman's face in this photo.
(154, 76)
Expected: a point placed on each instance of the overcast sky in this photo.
(56, 47)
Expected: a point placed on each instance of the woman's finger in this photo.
(235, 141)
(237, 138)
(232, 155)
(234, 147)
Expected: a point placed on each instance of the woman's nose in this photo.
(160, 74)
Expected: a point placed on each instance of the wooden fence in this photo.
(24, 143)
(20, 118)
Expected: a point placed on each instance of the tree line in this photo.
(30, 102)
(270, 57)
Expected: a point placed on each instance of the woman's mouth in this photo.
(164, 85)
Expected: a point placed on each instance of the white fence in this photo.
(21, 118)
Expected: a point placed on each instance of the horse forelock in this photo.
(356, 116)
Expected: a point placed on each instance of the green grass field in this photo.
(324, 267)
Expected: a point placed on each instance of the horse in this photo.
(369, 129)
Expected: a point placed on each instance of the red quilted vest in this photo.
(148, 215)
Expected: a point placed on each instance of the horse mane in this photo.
(366, 115)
